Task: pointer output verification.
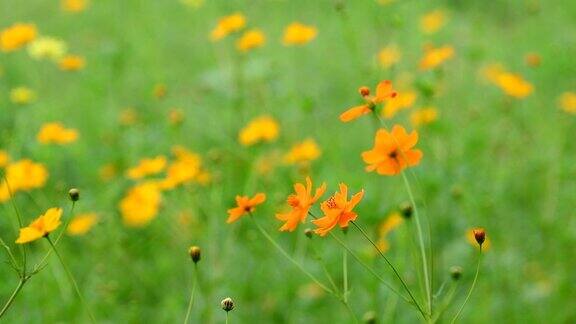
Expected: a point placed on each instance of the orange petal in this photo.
(354, 113)
(235, 214)
(258, 199)
(384, 91)
(28, 234)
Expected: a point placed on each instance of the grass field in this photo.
(489, 87)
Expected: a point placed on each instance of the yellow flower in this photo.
(389, 56)
(306, 151)
(82, 223)
(74, 5)
(568, 102)
(423, 116)
(47, 48)
(513, 85)
(72, 63)
(22, 95)
(41, 226)
(433, 21)
(263, 128)
(251, 39)
(16, 36)
(159, 91)
(403, 100)
(298, 34)
(434, 57)
(185, 169)
(492, 72)
(147, 167)
(141, 204)
(4, 158)
(128, 116)
(22, 175)
(390, 223)
(55, 133)
(227, 25)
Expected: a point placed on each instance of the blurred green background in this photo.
(489, 160)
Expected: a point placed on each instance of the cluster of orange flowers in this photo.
(22, 175)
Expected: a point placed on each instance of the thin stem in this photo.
(279, 248)
(345, 275)
(12, 297)
(72, 280)
(321, 261)
(392, 267)
(420, 243)
(446, 303)
(226, 317)
(65, 227)
(191, 302)
(20, 223)
(471, 287)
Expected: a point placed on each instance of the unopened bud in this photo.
(479, 235)
(456, 273)
(369, 317)
(74, 194)
(195, 253)
(406, 210)
(227, 304)
(308, 232)
(364, 91)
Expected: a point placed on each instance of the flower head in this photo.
(244, 204)
(384, 91)
(55, 133)
(433, 21)
(74, 5)
(300, 202)
(141, 204)
(298, 34)
(22, 95)
(434, 57)
(22, 175)
(41, 226)
(227, 25)
(403, 100)
(251, 39)
(568, 102)
(263, 128)
(337, 211)
(389, 56)
(82, 224)
(72, 63)
(423, 116)
(514, 85)
(147, 167)
(305, 151)
(393, 151)
(47, 48)
(16, 36)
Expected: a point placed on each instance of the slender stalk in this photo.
(12, 297)
(20, 223)
(420, 243)
(446, 303)
(191, 302)
(471, 287)
(393, 269)
(321, 261)
(72, 280)
(227, 317)
(345, 275)
(285, 254)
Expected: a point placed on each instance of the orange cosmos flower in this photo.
(227, 25)
(41, 226)
(383, 91)
(16, 36)
(393, 151)
(72, 63)
(434, 57)
(245, 205)
(337, 211)
(300, 202)
(298, 34)
(251, 39)
(56, 133)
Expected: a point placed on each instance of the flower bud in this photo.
(227, 304)
(369, 317)
(308, 232)
(456, 273)
(74, 194)
(406, 210)
(479, 235)
(364, 91)
(195, 254)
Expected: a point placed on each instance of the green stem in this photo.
(20, 223)
(285, 254)
(72, 280)
(446, 303)
(226, 317)
(321, 261)
(471, 287)
(393, 269)
(345, 275)
(191, 302)
(65, 227)
(12, 297)
(420, 243)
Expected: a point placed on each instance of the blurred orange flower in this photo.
(306, 151)
(300, 202)
(403, 100)
(81, 224)
(434, 57)
(383, 91)
(147, 167)
(298, 34)
(4, 158)
(41, 226)
(227, 25)
(141, 204)
(245, 205)
(568, 102)
(433, 21)
(55, 133)
(337, 211)
(393, 151)
(74, 5)
(389, 56)
(16, 36)
(22, 175)
(251, 39)
(72, 63)
(513, 85)
(423, 116)
(263, 128)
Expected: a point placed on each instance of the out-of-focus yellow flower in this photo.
(185, 169)
(263, 128)
(4, 158)
(41, 226)
(56, 133)
(492, 72)
(386, 227)
(16, 36)
(298, 34)
(147, 167)
(23, 175)
(72, 63)
(74, 5)
(159, 91)
(433, 21)
(128, 116)
(434, 57)
(403, 100)
(108, 171)
(82, 223)
(568, 102)
(533, 59)
(176, 116)
(306, 151)
(22, 95)
(47, 48)
(389, 56)
(193, 3)
(227, 25)
(141, 204)
(472, 240)
(423, 116)
(251, 39)
(514, 86)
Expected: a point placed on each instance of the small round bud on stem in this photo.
(364, 91)
(369, 317)
(479, 235)
(456, 273)
(74, 194)
(227, 304)
(195, 254)
(309, 233)
(406, 210)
